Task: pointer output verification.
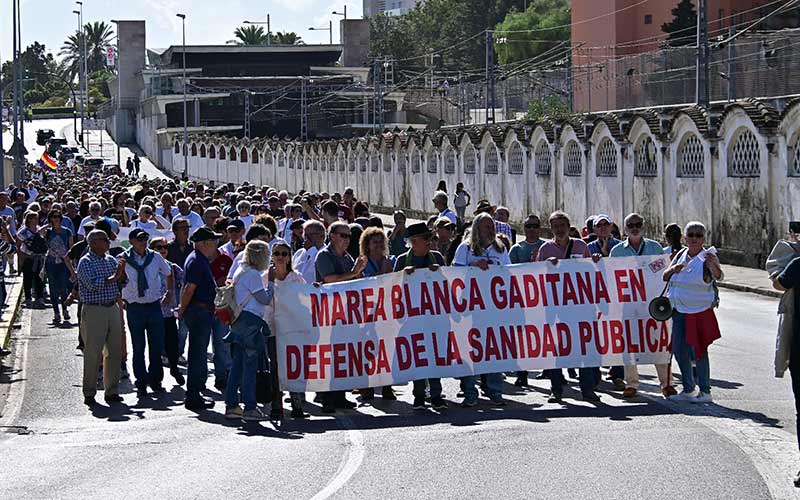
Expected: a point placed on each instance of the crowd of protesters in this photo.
(252, 239)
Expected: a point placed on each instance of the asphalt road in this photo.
(739, 448)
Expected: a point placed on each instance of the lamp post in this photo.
(269, 30)
(119, 100)
(83, 71)
(185, 129)
(329, 29)
(19, 126)
(344, 16)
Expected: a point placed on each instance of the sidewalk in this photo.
(742, 279)
(9, 314)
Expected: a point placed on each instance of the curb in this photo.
(750, 289)
(9, 316)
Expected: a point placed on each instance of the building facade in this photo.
(606, 30)
(390, 7)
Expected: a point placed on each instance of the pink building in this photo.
(604, 30)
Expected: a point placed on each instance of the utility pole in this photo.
(490, 77)
(702, 93)
(731, 55)
(19, 159)
(303, 110)
(247, 114)
(118, 116)
(185, 125)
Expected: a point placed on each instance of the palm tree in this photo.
(249, 35)
(288, 38)
(99, 36)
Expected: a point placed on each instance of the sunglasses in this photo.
(634, 225)
(280, 254)
(695, 235)
(344, 235)
(160, 247)
(532, 226)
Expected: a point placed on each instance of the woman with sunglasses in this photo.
(59, 241)
(168, 306)
(144, 221)
(693, 294)
(282, 263)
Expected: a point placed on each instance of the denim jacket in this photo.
(248, 332)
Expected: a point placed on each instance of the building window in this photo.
(450, 161)
(606, 159)
(492, 159)
(794, 159)
(644, 157)
(648, 19)
(469, 159)
(430, 162)
(544, 164)
(415, 163)
(516, 163)
(573, 165)
(744, 157)
(691, 159)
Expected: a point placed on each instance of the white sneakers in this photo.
(693, 397)
(703, 397)
(685, 396)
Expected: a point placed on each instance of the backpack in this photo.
(225, 307)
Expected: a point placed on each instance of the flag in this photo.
(49, 161)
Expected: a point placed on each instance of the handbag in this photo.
(263, 381)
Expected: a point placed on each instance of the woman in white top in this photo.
(246, 336)
(284, 274)
(145, 220)
(693, 295)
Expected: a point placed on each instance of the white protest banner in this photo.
(124, 233)
(456, 321)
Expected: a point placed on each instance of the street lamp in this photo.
(84, 66)
(269, 30)
(341, 13)
(344, 16)
(119, 100)
(185, 129)
(329, 29)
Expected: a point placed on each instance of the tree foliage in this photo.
(287, 38)
(249, 35)
(41, 75)
(548, 22)
(453, 27)
(684, 21)
(99, 37)
(551, 106)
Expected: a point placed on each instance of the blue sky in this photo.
(207, 21)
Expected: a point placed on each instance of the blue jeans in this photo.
(494, 385)
(242, 378)
(684, 354)
(58, 282)
(199, 323)
(222, 351)
(147, 327)
(183, 334)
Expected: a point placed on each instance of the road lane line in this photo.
(350, 463)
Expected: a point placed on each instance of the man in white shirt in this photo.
(185, 213)
(235, 242)
(8, 212)
(440, 202)
(142, 296)
(304, 259)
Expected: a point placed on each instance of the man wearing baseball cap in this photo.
(197, 309)
(142, 296)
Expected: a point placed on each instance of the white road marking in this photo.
(350, 463)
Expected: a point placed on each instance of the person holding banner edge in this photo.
(562, 246)
(637, 245)
(420, 256)
(482, 249)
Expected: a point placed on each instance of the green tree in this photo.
(99, 37)
(552, 106)
(288, 38)
(548, 22)
(684, 21)
(249, 35)
(41, 77)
